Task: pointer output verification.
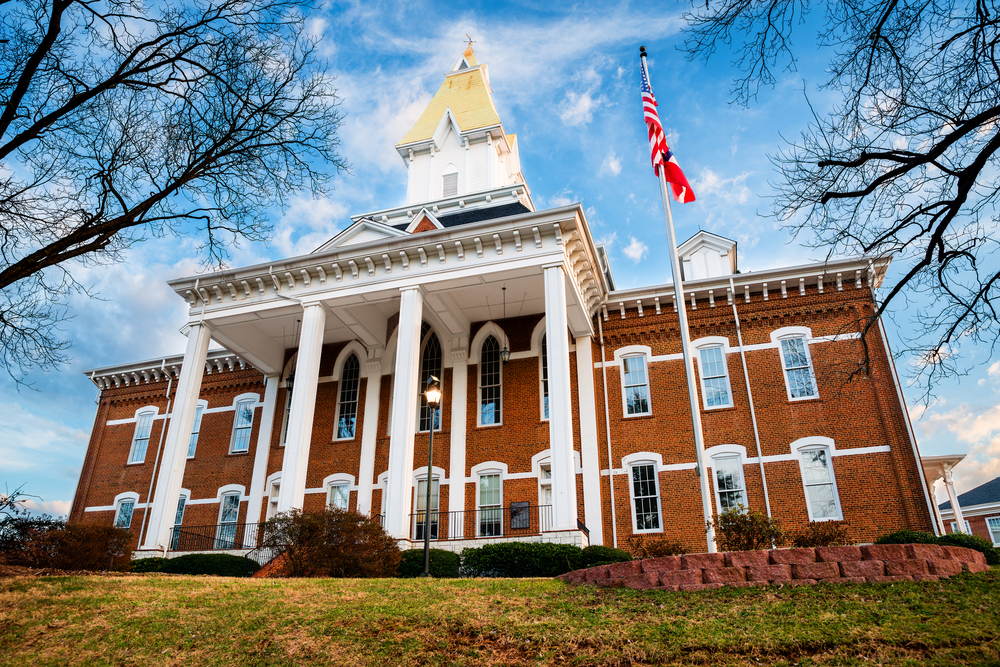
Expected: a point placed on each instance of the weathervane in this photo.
(471, 41)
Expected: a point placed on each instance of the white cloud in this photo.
(733, 190)
(976, 428)
(608, 240)
(57, 508)
(308, 224)
(636, 250)
(612, 164)
(578, 108)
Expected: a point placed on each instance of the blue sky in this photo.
(565, 79)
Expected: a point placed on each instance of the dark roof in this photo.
(981, 495)
(477, 215)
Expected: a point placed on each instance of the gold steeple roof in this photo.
(466, 91)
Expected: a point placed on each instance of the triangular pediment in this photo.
(447, 122)
(707, 255)
(425, 221)
(362, 231)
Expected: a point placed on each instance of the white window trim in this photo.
(644, 458)
(126, 496)
(339, 479)
(833, 478)
(787, 333)
(541, 377)
(339, 376)
(269, 484)
(479, 381)
(968, 528)
(420, 475)
(254, 400)
(495, 469)
(649, 392)
(422, 380)
(222, 499)
(996, 542)
(146, 410)
(203, 404)
(728, 454)
(708, 342)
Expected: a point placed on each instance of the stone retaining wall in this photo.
(871, 563)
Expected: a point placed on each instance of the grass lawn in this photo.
(194, 621)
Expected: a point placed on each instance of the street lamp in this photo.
(433, 396)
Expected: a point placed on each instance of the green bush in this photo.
(742, 529)
(908, 537)
(443, 565)
(72, 546)
(594, 555)
(17, 530)
(821, 534)
(222, 565)
(521, 559)
(972, 542)
(152, 564)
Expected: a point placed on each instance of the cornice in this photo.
(151, 371)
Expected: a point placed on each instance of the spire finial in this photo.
(470, 40)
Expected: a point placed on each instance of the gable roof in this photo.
(467, 94)
(981, 495)
(362, 231)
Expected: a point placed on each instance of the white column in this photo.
(949, 482)
(369, 435)
(171, 475)
(430, 179)
(263, 448)
(592, 513)
(404, 414)
(560, 408)
(937, 513)
(459, 393)
(300, 415)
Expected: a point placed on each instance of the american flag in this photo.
(658, 149)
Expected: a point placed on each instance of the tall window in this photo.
(140, 441)
(196, 429)
(347, 417)
(820, 489)
(714, 377)
(799, 377)
(229, 514)
(449, 185)
(272, 499)
(490, 390)
(243, 425)
(288, 412)
(993, 525)
(646, 497)
(545, 379)
(490, 505)
(636, 385)
(421, 517)
(968, 528)
(729, 488)
(340, 495)
(175, 534)
(430, 364)
(123, 517)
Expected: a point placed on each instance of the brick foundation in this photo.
(872, 564)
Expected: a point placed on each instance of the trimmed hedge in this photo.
(598, 555)
(444, 564)
(954, 539)
(972, 542)
(521, 559)
(222, 565)
(151, 564)
(908, 537)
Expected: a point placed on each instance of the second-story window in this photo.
(799, 379)
(196, 429)
(347, 408)
(140, 441)
(545, 379)
(714, 377)
(636, 385)
(430, 364)
(242, 426)
(490, 388)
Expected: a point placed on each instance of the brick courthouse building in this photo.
(565, 414)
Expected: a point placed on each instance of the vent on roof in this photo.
(463, 65)
(450, 188)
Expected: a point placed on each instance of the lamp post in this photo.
(433, 396)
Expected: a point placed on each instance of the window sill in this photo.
(351, 439)
(238, 453)
(655, 531)
(644, 415)
(135, 463)
(804, 398)
(486, 426)
(720, 408)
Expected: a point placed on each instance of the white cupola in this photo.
(707, 255)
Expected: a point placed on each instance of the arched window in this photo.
(545, 380)
(347, 408)
(490, 389)
(430, 364)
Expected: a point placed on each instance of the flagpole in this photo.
(699, 437)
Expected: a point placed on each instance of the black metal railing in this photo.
(517, 520)
(225, 536)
